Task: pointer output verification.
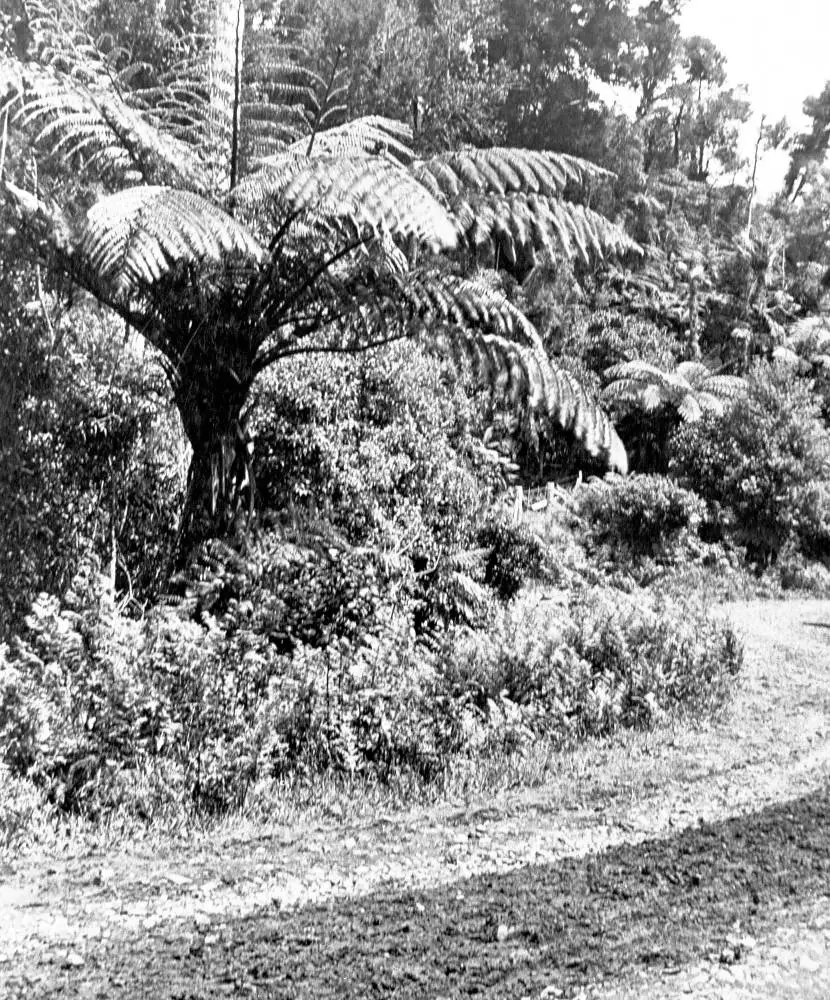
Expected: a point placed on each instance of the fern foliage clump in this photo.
(238, 217)
(691, 389)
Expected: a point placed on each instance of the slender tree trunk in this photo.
(676, 126)
(752, 187)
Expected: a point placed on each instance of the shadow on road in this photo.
(660, 903)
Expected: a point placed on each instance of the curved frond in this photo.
(500, 171)
(471, 302)
(725, 386)
(511, 199)
(102, 127)
(690, 407)
(370, 135)
(466, 312)
(694, 372)
(639, 371)
(135, 237)
(354, 191)
(535, 226)
(690, 388)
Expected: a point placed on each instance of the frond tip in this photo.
(519, 370)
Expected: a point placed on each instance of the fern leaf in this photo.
(641, 371)
(694, 372)
(691, 407)
(500, 171)
(704, 401)
(73, 118)
(534, 226)
(135, 237)
(356, 191)
(371, 134)
(525, 375)
(725, 386)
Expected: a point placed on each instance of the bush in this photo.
(608, 661)
(382, 442)
(187, 711)
(764, 469)
(265, 664)
(605, 337)
(88, 443)
(653, 655)
(638, 516)
(70, 697)
(515, 555)
(795, 572)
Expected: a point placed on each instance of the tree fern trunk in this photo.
(221, 490)
(220, 482)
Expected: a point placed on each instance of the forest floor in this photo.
(692, 861)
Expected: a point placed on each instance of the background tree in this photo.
(809, 149)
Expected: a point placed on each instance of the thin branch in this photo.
(312, 278)
(3, 142)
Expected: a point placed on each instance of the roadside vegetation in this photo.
(286, 340)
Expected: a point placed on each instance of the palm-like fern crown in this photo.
(240, 193)
(691, 388)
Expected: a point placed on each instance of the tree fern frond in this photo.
(135, 237)
(525, 375)
(356, 191)
(371, 134)
(471, 302)
(501, 171)
(640, 371)
(535, 226)
(694, 372)
(75, 118)
(711, 402)
(690, 388)
(691, 406)
(725, 386)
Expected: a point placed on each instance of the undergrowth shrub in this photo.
(188, 710)
(383, 442)
(653, 655)
(797, 573)
(90, 456)
(764, 469)
(638, 516)
(605, 337)
(514, 556)
(607, 661)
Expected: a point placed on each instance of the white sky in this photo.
(779, 48)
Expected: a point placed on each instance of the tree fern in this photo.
(230, 244)
(690, 389)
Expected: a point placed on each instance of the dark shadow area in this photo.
(660, 903)
(817, 624)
